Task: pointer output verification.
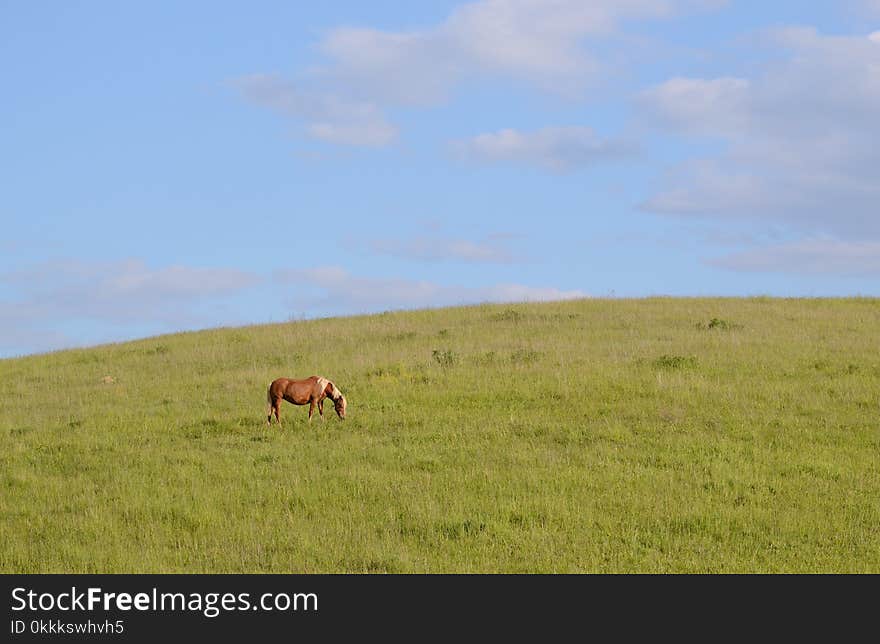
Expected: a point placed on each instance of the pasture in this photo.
(599, 435)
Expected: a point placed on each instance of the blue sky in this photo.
(170, 166)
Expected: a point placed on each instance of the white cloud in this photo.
(800, 138)
(22, 331)
(709, 187)
(121, 288)
(540, 43)
(43, 300)
(340, 291)
(390, 68)
(717, 106)
(537, 41)
(557, 148)
(438, 249)
(329, 117)
(871, 6)
(810, 256)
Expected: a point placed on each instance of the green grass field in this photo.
(655, 435)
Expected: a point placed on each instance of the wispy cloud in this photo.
(799, 137)
(44, 299)
(535, 41)
(549, 45)
(121, 289)
(439, 249)
(327, 117)
(555, 148)
(808, 256)
(871, 6)
(711, 107)
(332, 288)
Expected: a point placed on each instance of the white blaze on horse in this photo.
(311, 391)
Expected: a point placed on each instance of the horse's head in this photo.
(339, 406)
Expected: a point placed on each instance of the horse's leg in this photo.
(321, 409)
(311, 408)
(276, 406)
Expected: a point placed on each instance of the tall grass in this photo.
(656, 435)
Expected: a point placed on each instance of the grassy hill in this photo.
(657, 435)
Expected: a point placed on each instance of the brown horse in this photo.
(311, 390)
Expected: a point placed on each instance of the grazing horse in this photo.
(299, 392)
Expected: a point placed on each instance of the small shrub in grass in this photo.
(675, 362)
(394, 371)
(454, 530)
(520, 356)
(402, 336)
(490, 357)
(718, 324)
(508, 315)
(444, 357)
(524, 356)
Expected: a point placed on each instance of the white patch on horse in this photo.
(321, 385)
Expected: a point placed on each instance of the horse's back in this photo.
(277, 387)
(295, 391)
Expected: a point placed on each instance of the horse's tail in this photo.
(269, 402)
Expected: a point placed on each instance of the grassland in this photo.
(656, 435)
